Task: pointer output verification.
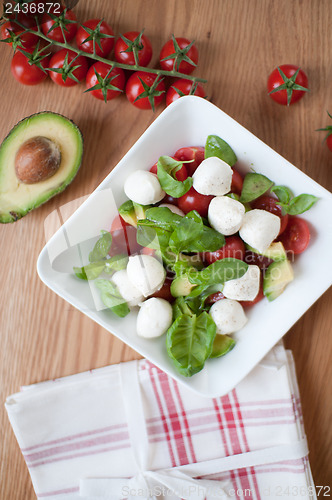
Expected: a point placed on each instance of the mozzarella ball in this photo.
(143, 187)
(173, 208)
(225, 215)
(259, 229)
(154, 318)
(130, 293)
(146, 273)
(228, 316)
(213, 177)
(244, 288)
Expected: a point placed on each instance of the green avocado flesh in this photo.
(277, 277)
(275, 251)
(181, 286)
(18, 198)
(131, 212)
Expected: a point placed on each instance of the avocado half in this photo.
(18, 198)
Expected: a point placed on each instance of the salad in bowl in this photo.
(194, 247)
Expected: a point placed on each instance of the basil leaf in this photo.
(197, 297)
(192, 236)
(189, 342)
(151, 235)
(180, 307)
(283, 193)
(116, 263)
(254, 185)
(163, 217)
(112, 299)
(165, 168)
(102, 247)
(219, 272)
(300, 204)
(80, 273)
(215, 146)
(90, 271)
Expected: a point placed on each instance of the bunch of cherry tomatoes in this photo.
(143, 89)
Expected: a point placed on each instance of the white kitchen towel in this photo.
(85, 436)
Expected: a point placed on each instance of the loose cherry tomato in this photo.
(165, 291)
(259, 297)
(181, 174)
(237, 182)
(103, 44)
(269, 204)
(28, 74)
(328, 136)
(123, 238)
(296, 86)
(168, 51)
(182, 87)
(214, 297)
(27, 39)
(190, 153)
(135, 88)
(233, 248)
(296, 236)
(62, 60)
(134, 41)
(256, 259)
(116, 78)
(329, 142)
(69, 28)
(193, 200)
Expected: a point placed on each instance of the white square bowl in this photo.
(188, 122)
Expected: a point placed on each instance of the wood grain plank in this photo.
(240, 42)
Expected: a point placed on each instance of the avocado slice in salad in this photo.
(222, 344)
(181, 286)
(131, 212)
(38, 159)
(277, 276)
(275, 251)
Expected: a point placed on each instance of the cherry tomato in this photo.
(143, 47)
(269, 204)
(117, 77)
(294, 90)
(190, 153)
(259, 297)
(193, 200)
(170, 200)
(181, 174)
(106, 43)
(233, 248)
(28, 74)
(165, 291)
(296, 236)
(237, 182)
(56, 34)
(184, 86)
(214, 297)
(123, 238)
(27, 39)
(256, 259)
(329, 142)
(184, 66)
(134, 89)
(58, 61)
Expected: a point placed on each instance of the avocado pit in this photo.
(36, 160)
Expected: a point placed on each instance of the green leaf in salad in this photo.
(166, 170)
(215, 146)
(300, 204)
(112, 298)
(189, 342)
(102, 247)
(283, 193)
(254, 185)
(219, 272)
(115, 263)
(90, 271)
(181, 307)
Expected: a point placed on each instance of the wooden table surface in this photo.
(240, 42)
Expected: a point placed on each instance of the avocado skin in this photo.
(15, 215)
